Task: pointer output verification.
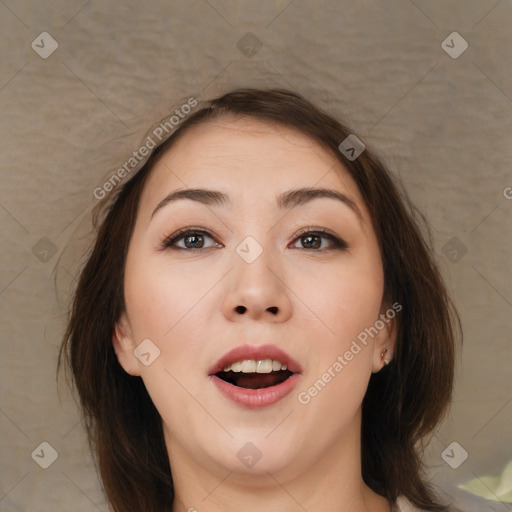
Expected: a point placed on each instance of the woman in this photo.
(260, 321)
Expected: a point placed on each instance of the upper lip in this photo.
(255, 352)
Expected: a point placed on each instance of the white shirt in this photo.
(404, 505)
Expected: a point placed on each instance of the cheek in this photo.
(159, 297)
(342, 301)
(163, 307)
(340, 367)
(359, 304)
(167, 305)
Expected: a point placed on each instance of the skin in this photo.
(186, 304)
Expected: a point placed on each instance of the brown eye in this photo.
(312, 240)
(193, 240)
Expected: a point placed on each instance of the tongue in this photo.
(255, 380)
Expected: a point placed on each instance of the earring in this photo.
(386, 361)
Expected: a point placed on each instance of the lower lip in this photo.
(256, 398)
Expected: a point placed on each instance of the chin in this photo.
(255, 456)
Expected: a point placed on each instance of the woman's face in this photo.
(248, 276)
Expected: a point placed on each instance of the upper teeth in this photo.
(258, 366)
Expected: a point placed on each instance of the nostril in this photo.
(243, 309)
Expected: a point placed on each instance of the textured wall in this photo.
(442, 122)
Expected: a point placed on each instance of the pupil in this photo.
(309, 237)
(316, 244)
(191, 237)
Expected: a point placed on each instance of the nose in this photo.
(257, 290)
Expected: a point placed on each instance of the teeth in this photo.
(249, 366)
(265, 366)
(255, 366)
(236, 367)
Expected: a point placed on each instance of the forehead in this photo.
(249, 159)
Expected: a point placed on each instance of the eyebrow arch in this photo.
(286, 200)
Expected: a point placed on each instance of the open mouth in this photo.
(254, 380)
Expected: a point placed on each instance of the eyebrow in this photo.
(286, 200)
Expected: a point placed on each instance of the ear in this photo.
(385, 339)
(122, 340)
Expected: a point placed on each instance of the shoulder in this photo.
(458, 500)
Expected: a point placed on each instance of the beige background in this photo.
(68, 121)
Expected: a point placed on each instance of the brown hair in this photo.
(404, 401)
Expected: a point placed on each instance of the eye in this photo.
(193, 240)
(312, 239)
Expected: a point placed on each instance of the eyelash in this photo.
(168, 242)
